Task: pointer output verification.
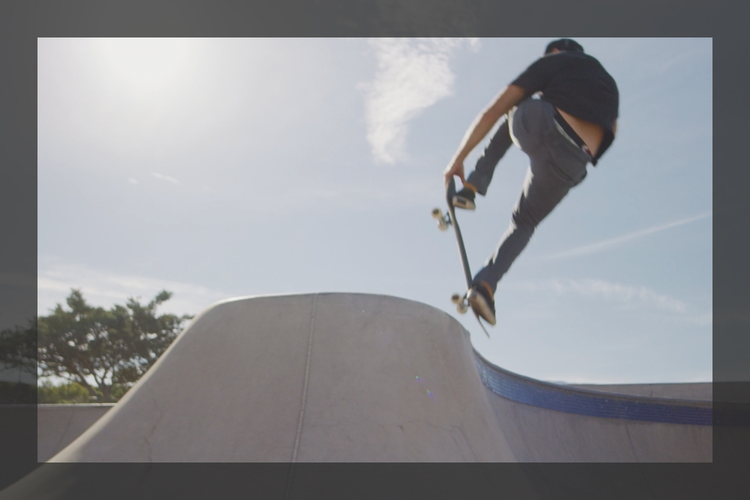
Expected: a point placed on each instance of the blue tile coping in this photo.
(596, 404)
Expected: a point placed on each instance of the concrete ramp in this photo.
(356, 378)
(60, 425)
(306, 378)
(546, 422)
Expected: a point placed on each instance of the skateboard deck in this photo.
(449, 219)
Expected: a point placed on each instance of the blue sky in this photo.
(218, 168)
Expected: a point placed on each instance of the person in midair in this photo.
(562, 112)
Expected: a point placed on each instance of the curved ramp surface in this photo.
(546, 422)
(310, 378)
(59, 425)
(347, 378)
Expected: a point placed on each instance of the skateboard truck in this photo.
(462, 304)
(443, 220)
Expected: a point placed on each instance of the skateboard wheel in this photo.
(437, 213)
(442, 225)
(456, 298)
(462, 308)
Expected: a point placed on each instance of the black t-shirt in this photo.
(577, 84)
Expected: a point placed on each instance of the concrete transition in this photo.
(368, 378)
(354, 377)
(305, 378)
(60, 425)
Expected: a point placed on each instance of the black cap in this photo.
(565, 45)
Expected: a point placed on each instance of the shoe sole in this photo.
(480, 306)
(463, 203)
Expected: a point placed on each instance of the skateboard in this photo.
(443, 222)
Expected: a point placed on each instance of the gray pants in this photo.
(556, 165)
(481, 177)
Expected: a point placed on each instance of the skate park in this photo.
(356, 377)
(335, 377)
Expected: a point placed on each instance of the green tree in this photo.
(17, 346)
(102, 350)
(70, 393)
(18, 358)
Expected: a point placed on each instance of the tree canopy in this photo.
(17, 348)
(18, 364)
(102, 350)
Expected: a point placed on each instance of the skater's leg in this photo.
(541, 194)
(555, 167)
(481, 177)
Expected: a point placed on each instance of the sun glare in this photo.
(146, 65)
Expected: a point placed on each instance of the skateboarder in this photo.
(570, 122)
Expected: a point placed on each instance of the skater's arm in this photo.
(481, 127)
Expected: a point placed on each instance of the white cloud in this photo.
(706, 319)
(104, 289)
(165, 178)
(623, 294)
(620, 240)
(412, 75)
